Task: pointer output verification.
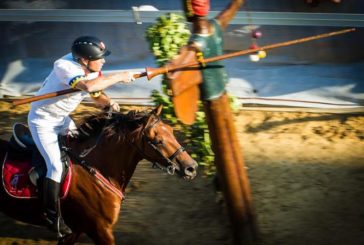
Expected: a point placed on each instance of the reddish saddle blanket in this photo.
(16, 180)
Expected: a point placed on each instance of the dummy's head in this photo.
(196, 8)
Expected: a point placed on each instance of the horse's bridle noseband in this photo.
(172, 166)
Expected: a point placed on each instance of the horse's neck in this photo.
(116, 161)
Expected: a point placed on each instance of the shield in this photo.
(183, 85)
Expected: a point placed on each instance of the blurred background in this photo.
(323, 73)
(306, 169)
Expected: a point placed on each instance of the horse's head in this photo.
(162, 148)
(144, 131)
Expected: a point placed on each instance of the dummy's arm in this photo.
(229, 12)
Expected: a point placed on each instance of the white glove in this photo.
(131, 77)
(114, 107)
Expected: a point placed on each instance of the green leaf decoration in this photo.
(166, 36)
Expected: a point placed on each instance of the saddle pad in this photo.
(16, 180)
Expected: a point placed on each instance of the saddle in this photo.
(24, 168)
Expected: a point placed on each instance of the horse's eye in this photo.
(158, 142)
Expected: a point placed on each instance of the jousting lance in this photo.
(152, 72)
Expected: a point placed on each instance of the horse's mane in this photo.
(117, 126)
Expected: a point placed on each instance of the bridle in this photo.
(172, 165)
(170, 169)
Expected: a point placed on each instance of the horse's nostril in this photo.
(189, 170)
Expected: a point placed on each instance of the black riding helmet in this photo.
(89, 47)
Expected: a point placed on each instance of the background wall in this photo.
(328, 70)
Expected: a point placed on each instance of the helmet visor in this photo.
(101, 55)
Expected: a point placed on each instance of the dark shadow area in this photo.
(314, 204)
(13, 229)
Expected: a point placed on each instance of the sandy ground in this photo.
(307, 179)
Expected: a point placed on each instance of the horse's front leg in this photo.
(102, 235)
(69, 240)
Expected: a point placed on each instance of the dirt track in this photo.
(307, 178)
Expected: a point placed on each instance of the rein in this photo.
(170, 169)
(94, 172)
(87, 151)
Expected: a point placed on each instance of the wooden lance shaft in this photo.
(57, 93)
(152, 72)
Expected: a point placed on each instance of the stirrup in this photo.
(62, 229)
(58, 226)
(33, 176)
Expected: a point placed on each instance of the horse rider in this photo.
(48, 118)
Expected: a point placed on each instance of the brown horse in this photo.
(112, 146)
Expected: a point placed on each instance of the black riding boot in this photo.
(52, 208)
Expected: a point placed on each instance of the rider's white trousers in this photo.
(45, 135)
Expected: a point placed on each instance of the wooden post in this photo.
(231, 170)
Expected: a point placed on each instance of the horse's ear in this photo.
(157, 111)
